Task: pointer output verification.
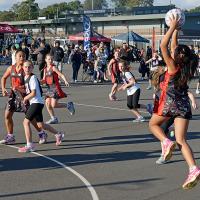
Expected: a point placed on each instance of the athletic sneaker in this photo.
(26, 149)
(197, 91)
(149, 108)
(53, 121)
(70, 107)
(8, 139)
(167, 148)
(160, 160)
(42, 138)
(192, 179)
(111, 97)
(59, 138)
(149, 87)
(139, 119)
(115, 98)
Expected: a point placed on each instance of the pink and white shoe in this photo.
(59, 138)
(192, 179)
(167, 148)
(26, 149)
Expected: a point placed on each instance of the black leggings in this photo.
(132, 100)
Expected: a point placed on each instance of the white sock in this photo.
(10, 135)
(192, 168)
(29, 144)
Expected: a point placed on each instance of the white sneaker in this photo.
(160, 160)
(139, 119)
(149, 87)
(197, 91)
(52, 121)
(42, 138)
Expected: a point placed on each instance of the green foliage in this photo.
(27, 10)
(133, 3)
(197, 9)
(97, 4)
(7, 16)
(55, 9)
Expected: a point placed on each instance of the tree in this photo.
(55, 9)
(197, 9)
(94, 4)
(26, 10)
(133, 3)
(75, 5)
(7, 16)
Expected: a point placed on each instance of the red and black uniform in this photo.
(172, 100)
(51, 79)
(115, 72)
(14, 103)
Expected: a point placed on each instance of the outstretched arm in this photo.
(61, 75)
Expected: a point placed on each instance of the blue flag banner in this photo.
(87, 31)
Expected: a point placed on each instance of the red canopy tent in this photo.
(96, 37)
(6, 28)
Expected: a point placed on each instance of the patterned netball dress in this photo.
(170, 100)
(53, 86)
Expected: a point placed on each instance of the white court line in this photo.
(84, 180)
(105, 107)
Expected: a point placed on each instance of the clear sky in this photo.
(184, 4)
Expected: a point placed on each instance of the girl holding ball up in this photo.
(172, 101)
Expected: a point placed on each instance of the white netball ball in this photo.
(175, 11)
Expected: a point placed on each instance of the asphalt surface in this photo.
(104, 156)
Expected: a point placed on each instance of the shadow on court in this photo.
(118, 183)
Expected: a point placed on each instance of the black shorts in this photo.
(132, 100)
(35, 112)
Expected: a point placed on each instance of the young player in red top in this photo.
(54, 91)
(15, 100)
(114, 73)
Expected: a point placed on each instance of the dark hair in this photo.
(48, 54)
(188, 63)
(125, 64)
(57, 42)
(19, 50)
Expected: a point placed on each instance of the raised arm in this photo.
(174, 41)
(165, 43)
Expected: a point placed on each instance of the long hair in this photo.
(125, 64)
(187, 62)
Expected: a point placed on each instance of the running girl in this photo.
(14, 104)
(34, 112)
(54, 91)
(172, 101)
(114, 73)
(133, 90)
